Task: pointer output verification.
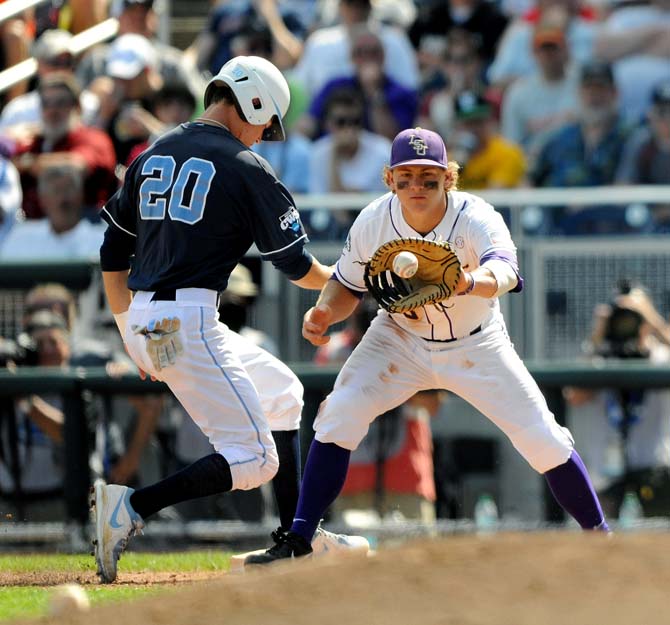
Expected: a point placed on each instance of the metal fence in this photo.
(568, 278)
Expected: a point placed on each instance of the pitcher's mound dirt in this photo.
(505, 579)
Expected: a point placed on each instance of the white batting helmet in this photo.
(260, 89)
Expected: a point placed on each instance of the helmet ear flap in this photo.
(274, 132)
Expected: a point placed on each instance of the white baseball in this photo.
(405, 264)
(67, 599)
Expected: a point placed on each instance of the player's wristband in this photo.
(121, 322)
(470, 286)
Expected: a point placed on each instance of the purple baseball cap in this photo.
(418, 146)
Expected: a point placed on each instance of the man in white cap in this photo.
(127, 91)
(139, 17)
(53, 54)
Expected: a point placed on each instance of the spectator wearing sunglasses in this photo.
(62, 138)
(53, 54)
(388, 106)
(347, 158)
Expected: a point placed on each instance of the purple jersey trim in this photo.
(460, 210)
(442, 308)
(391, 217)
(357, 294)
(510, 258)
(451, 325)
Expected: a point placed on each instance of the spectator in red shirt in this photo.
(62, 136)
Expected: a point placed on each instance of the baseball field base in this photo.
(237, 561)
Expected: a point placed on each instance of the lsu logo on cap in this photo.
(419, 145)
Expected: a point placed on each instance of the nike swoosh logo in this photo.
(113, 521)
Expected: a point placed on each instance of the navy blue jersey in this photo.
(196, 201)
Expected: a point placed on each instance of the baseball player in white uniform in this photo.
(460, 344)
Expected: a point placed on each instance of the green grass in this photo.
(132, 561)
(32, 601)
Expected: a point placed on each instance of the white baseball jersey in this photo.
(460, 345)
(475, 232)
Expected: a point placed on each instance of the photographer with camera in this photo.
(31, 473)
(628, 430)
(32, 461)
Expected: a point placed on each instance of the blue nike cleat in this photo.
(115, 523)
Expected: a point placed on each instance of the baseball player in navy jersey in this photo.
(190, 207)
(459, 344)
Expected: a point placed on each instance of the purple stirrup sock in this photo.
(571, 485)
(322, 481)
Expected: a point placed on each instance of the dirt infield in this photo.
(508, 579)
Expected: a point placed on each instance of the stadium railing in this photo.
(80, 42)
(565, 276)
(517, 199)
(11, 8)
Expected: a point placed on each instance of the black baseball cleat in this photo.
(288, 545)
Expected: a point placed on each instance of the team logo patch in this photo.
(238, 72)
(459, 242)
(290, 219)
(347, 244)
(418, 144)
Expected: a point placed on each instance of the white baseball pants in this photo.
(233, 390)
(390, 365)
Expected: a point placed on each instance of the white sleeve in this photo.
(350, 268)
(400, 58)
(512, 58)
(11, 195)
(301, 72)
(319, 166)
(492, 244)
(505, 275)
(512, 126)
(488, 234)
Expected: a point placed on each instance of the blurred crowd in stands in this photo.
(526, 93)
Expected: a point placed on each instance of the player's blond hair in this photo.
(450, 182)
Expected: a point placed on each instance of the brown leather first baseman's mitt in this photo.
(435, 279)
